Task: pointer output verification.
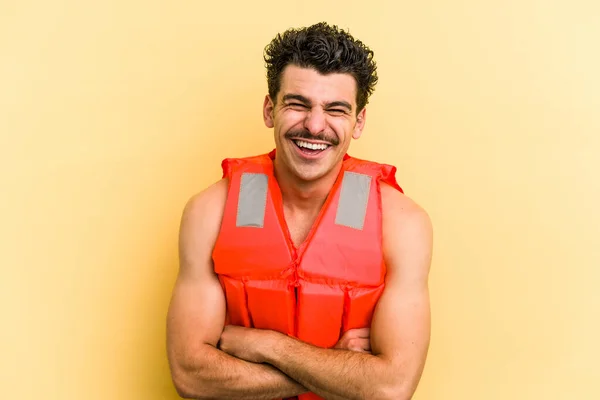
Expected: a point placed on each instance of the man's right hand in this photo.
(355, 340)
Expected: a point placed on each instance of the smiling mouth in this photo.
(310, 148)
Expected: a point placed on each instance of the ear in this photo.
(360, 123)
(268, 112)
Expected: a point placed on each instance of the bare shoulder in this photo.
(209, 201)
(407, 232)
(200, 224)
(400, 209)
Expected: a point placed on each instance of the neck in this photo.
(304, 196)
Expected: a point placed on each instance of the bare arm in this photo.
(400, 328)
(197, 314)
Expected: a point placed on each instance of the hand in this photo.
(244, 343)
(355, 340)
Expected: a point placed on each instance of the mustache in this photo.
(304, 134)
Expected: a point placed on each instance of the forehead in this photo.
(313, 85)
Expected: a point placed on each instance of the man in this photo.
(304, 271)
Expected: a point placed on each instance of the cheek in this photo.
(342, 128)
(290, 120)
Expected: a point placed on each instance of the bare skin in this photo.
(399, 336)
(212, 361)
(197, 314)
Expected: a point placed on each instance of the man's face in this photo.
(314, 120)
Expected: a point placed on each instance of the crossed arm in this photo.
(211, 361)
(196, 318)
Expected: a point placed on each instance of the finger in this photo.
(361, 332)
(367, 345)
(359, 345)
(356, 333)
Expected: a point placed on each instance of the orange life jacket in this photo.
(331, 282)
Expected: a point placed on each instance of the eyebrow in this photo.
(344, 104)
(306, 101)
(297, 97)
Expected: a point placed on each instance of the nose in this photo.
(315, 121)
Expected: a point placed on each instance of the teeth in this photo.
(311, 146)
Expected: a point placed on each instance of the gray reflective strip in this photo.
(253, 200)
(354, 196)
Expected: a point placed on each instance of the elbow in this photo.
(182, 386)
(188, 385)
(398, 385)
(394, 392)
(186, 391)
(192, 376)
(391, 394)
(400, 394)
(182, 391)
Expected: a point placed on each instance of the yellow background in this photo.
(113, 113)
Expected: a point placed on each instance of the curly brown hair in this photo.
(325, 48)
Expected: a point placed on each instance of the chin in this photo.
(311, 173)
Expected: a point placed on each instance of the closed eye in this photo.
(297, 105)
